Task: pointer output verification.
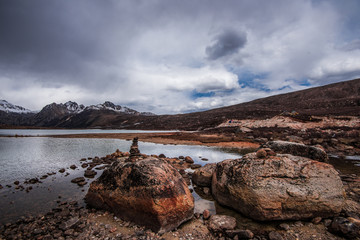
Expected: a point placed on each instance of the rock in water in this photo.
(148, 192)
(278, 187)
(298, 149)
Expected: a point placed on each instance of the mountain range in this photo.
(54, 115)
(339, 99)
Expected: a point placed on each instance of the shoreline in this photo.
(174, 138)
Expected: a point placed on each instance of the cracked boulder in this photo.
(149, 192)
(282, 187)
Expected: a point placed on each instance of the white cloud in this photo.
(151, 55)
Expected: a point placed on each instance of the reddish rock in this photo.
(202, 176)
(206, 214)
(261, 153)
(278, 187)
(189, 159)
(148, 192)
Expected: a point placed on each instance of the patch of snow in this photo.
(8, 107)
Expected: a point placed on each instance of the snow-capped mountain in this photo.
(11, 108)
(111, 106)
(73, 107)
(67, 114)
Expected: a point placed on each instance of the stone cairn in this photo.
(134, 151)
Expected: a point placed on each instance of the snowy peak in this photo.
(11, 108)
(111, 106)
(73, 107)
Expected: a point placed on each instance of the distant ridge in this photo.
(340, 99)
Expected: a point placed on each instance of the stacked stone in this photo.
(134, 150)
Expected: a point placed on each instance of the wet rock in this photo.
(84, 165)
(62, 170)
(194, 166)
(43, 177)
(90, 173)
(221, 223)
(162, 155)
(16, 182)
(205, 159)
(279, 187)
(73, 167)
(189, 159)
(148, 192)
(33, 181)
(297, 149)
(1, 187)
(206, 214)
(202, 176)
(78, 179)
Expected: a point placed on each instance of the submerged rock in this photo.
(278, 187)
(148, 192)
(297, 149)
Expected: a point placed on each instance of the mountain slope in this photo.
(58, 115)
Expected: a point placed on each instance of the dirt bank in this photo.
(184, 138)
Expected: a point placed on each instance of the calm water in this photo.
(42, 132)
(28, 157)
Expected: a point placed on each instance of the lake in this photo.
(43, 132)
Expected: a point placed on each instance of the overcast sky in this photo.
(169, 56)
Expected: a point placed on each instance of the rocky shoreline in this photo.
(71, 220)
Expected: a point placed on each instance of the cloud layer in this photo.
(173, 56)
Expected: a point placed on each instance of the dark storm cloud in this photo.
(226, 43)
(52, 40)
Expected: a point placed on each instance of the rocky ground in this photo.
(70, 220)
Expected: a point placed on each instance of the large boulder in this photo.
(278, 187)
(148, 192)
(202, 176)
(297, 149)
